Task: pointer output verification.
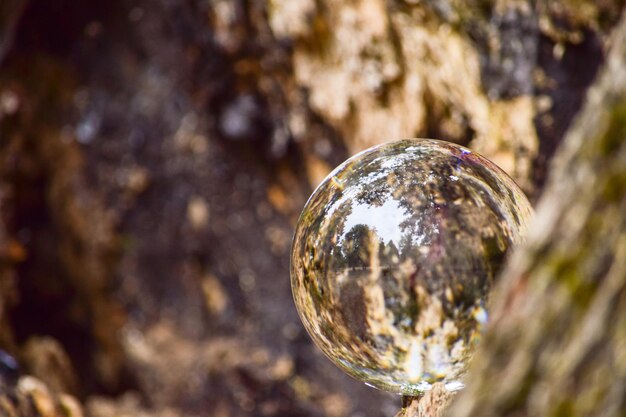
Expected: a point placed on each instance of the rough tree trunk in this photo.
(10, 11)
(557, 345)
(154, 155)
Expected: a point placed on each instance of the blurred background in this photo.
(155, 156)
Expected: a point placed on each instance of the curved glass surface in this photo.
(394, 256)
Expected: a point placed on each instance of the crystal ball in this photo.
(394, 256)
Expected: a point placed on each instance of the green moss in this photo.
(614, 188)
(615, 135)
(563, 409)
(581, 291)
(517, 400)
(566, 270)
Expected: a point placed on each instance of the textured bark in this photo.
(377, 70)
(10, 11)
(432, 404)
(557, 345)
(154, 156)
(557, 342)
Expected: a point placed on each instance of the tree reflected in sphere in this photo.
(394, 256)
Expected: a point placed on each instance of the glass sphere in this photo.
(394, 257)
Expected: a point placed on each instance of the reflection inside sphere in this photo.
(394, 256)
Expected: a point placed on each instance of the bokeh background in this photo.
(155, 155)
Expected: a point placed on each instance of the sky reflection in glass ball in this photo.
(394, 257)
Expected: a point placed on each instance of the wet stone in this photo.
(394, 257)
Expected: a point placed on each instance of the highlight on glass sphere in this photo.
(394, 257)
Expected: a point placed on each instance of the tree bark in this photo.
(557, 342)
(155, 154)
(10, 11)
(432, 404)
